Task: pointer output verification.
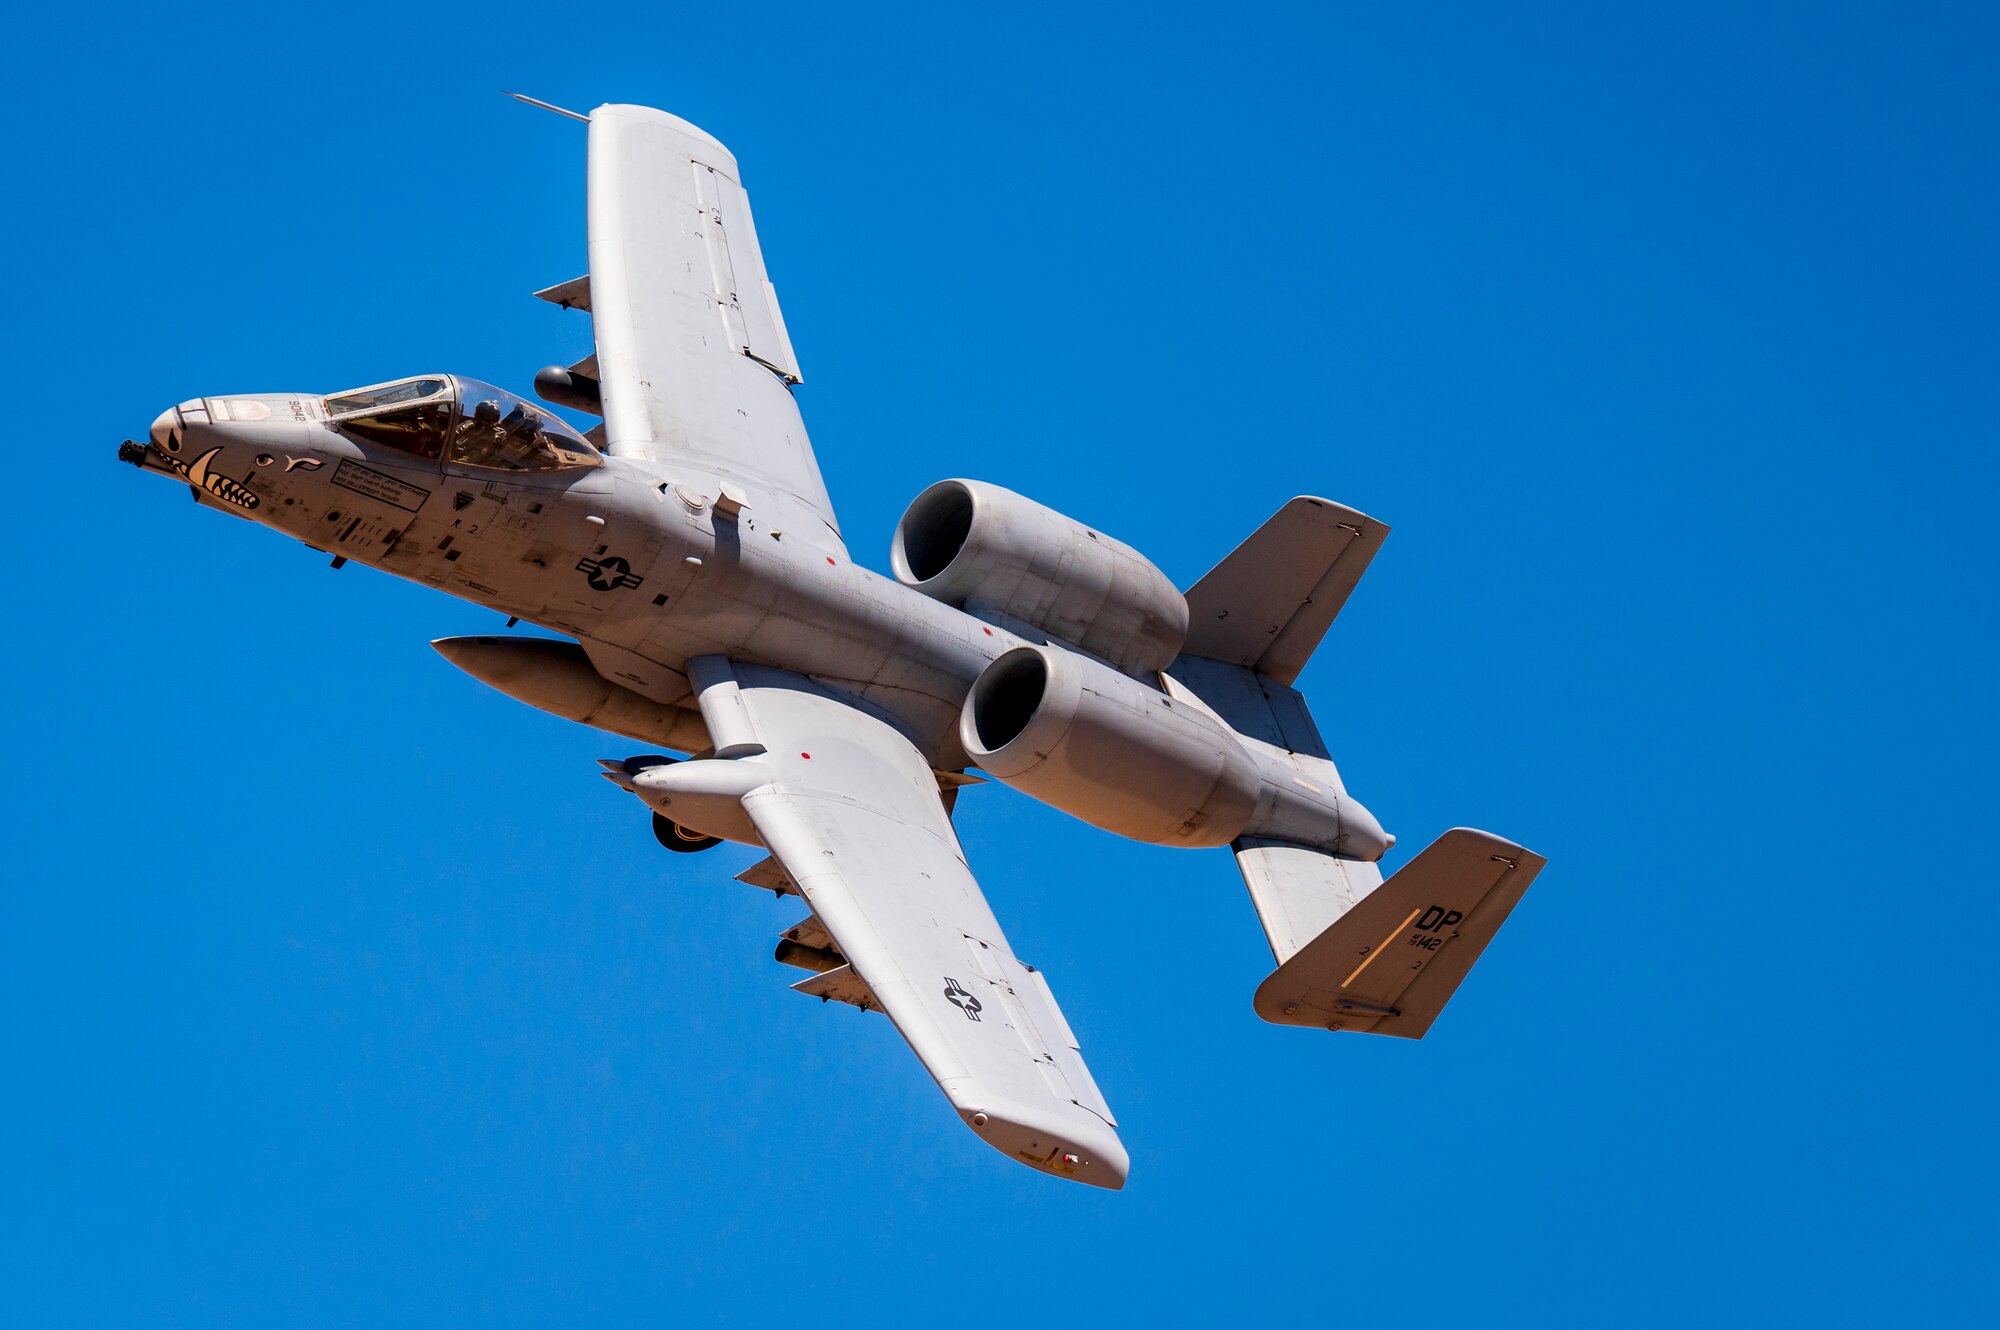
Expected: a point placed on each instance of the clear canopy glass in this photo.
(468, 422)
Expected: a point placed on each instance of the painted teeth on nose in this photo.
(217, 484)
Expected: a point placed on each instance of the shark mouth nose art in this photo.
(199, 474)
(169, 438)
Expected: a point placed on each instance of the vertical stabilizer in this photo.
(1267, 605)
(1390, 963)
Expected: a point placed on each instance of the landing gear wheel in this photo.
(678, 838)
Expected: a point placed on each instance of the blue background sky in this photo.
(340, 991)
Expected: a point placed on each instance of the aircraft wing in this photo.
(693, 359)
(852, 813)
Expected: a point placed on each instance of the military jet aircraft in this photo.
(686, 551)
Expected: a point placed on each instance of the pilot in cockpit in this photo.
(416, 416)
(520, 436)
(513, 442)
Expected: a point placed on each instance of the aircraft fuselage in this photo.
(653, 570)
(638, 564)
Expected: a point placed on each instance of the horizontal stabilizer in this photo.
(1389, 964)
(1267, 605)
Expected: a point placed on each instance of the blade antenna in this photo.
(546, 106)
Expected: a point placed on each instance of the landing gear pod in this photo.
(696, 802)
(679, 839)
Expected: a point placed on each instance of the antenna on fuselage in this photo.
(546, 106)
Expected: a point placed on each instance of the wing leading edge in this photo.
(852, 812)
(695, 364)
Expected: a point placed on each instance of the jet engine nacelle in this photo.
(986, 549)
(1107, 749)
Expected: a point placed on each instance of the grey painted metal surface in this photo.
(687, 549)
(695, 360)
(1390, 963)
(997, 555)
(1269, 603)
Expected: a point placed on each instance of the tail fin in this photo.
(1380, 959)
(1268, 604)
(1300, 892)
(1354, 952)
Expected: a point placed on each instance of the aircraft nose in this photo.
(168, 422)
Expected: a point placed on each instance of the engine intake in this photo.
(988, 550)
(1105, 748)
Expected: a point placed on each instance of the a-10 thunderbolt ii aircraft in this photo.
(687, 551)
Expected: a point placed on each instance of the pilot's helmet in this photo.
(486, 413)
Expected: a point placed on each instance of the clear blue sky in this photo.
(339, 990)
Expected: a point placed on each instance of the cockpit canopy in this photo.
(462, 420)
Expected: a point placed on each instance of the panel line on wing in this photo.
(721, 272)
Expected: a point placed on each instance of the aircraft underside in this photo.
(686, 551)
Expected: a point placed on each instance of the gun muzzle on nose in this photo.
(1361, 836)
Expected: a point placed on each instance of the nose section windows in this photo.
(419, 430)
(382, 396)
(411, 416)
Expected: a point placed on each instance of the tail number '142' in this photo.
(1434, 922)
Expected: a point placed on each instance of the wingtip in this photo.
(1074, 1152)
